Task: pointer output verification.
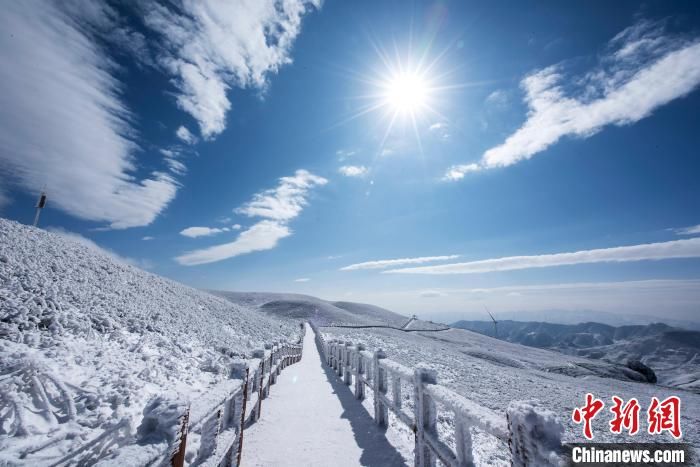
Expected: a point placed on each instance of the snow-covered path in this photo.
(312, 419)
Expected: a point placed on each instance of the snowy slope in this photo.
(86, 341)
(672, 353)
(494, 373)
(305, 307)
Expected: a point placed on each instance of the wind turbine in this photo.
(495, 323)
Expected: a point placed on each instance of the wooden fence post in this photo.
(381, 411)
(341, 359)
(396, 391)
(209, 437)
(359, 373)
(534, 434)
(425, 414)
(463, 442)
(243, 408)
(178, 459)
(259, 374)
(347, 377)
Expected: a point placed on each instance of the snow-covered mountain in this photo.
(86, 341)
(305, 307)
(487, 370)
(672, 353)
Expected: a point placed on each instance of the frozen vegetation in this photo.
(88, 343)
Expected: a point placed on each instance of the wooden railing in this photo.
(208, 433)
(532, 432)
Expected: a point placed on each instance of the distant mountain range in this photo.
(671, 353)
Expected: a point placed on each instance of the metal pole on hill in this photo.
(39, 206)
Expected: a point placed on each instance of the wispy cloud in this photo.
(211, 46)
(497, 99)
(689, 248)
(642, 69)
(172, 160)
(385, 263)
(613, 285)
(277, 206)
(4, 199)
(262, 236)
(353, 170)
(440, 130)
(431, 293)
(284, 202)
(185, 135)
(60, 102)
(302, 279)
(692, 230)
(147, 238)
(194, 232)
(343, 154)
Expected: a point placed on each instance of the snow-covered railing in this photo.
(208, 432)
(532, 433)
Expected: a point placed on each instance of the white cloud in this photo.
(277, 207)
(343, 154)
(692, 230)
(236, 226)
(385, 263)
(497, 99)
(284, 202)
(614, 285)
(431, 294)
(457, 172)
(212, 45)
(302, 279)
(76, 237)
(689, 248)
(185, 135)
(194, 232)
(353, 170)
(4, 199)
(441, 130)
(147, 238)
(171, 160)
(641, 71)
(63, 123)
(261, 236)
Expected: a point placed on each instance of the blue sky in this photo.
(307, 148)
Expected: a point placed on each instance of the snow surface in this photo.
(305, 307)
(311, 418)
(495, 373)
(672, 353)
(86, 343)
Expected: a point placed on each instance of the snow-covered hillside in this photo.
(494, 373)
(490, 371)
(86, 341)
(306, 307)
(672, 353)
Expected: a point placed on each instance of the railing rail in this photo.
(217, 431)
(532, 433)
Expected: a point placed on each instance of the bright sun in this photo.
(406, 93)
